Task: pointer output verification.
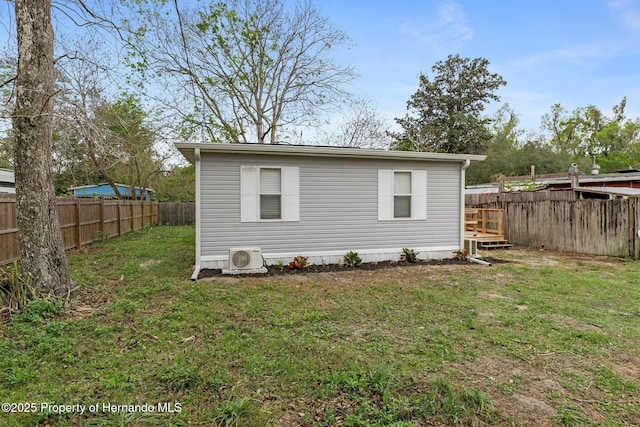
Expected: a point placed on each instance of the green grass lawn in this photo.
(545, 339)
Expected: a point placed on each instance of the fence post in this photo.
(78, 225)
(118, 217)
(636, 227)
(633, 225)
(154, 213)
(102, 232)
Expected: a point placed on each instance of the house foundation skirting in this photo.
(332, 257)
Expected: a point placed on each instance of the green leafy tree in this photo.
(82, 80)
(445, 114)
(98, 136)
(563, 130)
(178, 185)
(100, 141)
(602, 136)
(127, 145)
(501, 149)
(587, 134)
(512, 151)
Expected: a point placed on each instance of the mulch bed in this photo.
(274, 270)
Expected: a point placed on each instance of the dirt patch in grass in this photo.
(518, 388)
(548, 257)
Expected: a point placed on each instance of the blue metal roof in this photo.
(105, 190)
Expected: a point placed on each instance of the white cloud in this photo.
(628, 11)
(566, 54)
(584, 54)
(448, 31)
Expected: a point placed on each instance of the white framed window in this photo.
(269, 193)
(402, 195)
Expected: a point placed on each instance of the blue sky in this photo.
(572, 52)
(549, 51)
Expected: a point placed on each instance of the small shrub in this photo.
(351, 259)
(408, 255)
(38, 310)
(298, 263)
(16, 289)
(460, 255)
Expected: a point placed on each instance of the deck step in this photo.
(486, 237)
(496, 244)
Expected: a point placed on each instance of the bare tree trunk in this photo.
(41, 244)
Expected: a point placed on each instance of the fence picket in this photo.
(558, 220)
(82, 221)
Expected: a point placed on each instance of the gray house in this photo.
(275, 202)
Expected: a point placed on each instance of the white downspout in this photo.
(464, 167)
(196, 270)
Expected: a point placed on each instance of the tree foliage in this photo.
(445, 114)
(127, 145)
(587, 132)
(83, 78)
(101, 133)
(582, 137)
(250, 68)
(113, 143)
(511, 152)
(178, 185)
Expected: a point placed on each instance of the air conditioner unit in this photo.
(471, 245)
(245, 259)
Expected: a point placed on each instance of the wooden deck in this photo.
(485, 226)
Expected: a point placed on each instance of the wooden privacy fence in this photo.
(82, 221)
(558, 220)
(177, 213)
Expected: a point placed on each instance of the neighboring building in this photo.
(106, 191)
(617, 180)
(628, 179)
(322, 202)
(7, 181)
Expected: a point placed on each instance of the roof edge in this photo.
(106, 183)
(188, 148)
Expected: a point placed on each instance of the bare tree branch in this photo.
(255, 66)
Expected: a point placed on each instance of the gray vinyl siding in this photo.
(338, 207)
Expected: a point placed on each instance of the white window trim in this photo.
(261, 193)
(386, 195)
(409, 194)
(250, 193)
